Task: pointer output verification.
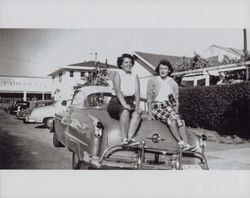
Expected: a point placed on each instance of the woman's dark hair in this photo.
(121, 58)
(166, 63)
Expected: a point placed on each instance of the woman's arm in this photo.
(137, 92)
(118, 92)
(176, 96)
(149, 97)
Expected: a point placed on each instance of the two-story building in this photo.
(64, 78)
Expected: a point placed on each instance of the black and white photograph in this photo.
(124, 99)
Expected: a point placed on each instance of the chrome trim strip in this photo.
(74, 138)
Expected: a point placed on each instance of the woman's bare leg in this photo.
(134, 123)
(124, 123)
(183, 133)
(174, 130)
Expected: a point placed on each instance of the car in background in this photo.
(94, 138)
(19, 106)
(44, 115)
(33, 104)
(6, 106)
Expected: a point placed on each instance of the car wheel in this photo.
(77, 164)
(56, 142)
(52, 128)
(45, 122)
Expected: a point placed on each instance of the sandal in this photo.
(181, 144)
(125, 141)
(196, 149)
(187, 147)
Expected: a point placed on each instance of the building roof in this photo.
(236, 52)
(153, 59)
(15, 76)
(88, 65)
(93, 64)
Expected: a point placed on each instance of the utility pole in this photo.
(245, 52)
(245, 41)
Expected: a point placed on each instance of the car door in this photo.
(61, 120)
(79, 124)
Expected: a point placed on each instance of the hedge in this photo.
(223, 108)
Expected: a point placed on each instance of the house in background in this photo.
(222, 59)
(218, 54)
(218, 57)
(66, 77)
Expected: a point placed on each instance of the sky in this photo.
(37, 52)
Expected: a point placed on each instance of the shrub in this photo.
(224, 108)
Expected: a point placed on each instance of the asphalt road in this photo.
(29, 146)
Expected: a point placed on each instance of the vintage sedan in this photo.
(39, 103)
(19, 106)
(43, 115)
(86, 129)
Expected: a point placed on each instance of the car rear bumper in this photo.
(139, 157)
(28, 120)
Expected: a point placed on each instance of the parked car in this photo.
(43, 114)
(19, 106)
(38, 103)
(6, 106)
(86, 129)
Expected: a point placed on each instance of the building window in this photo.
(82, 74)
(60, 77)
(71, 74)
(53, 78)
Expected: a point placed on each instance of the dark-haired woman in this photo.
(125, 105)
(163, 103)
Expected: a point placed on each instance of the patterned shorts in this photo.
(164, 112)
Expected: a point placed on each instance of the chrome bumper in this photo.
(163, 159)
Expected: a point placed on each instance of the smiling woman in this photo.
(127, 90)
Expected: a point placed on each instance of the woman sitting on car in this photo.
(125, 105)
(163, 103)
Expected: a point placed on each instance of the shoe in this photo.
(131, 141)
(196, 149)
(181, 144)
(125, 141)
(187, 147)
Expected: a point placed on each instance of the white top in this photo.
(165, 89)
(127, 83)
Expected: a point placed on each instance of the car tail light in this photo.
(98, 129)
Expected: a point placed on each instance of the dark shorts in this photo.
(115, 108)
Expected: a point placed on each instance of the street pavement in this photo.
(29, 146)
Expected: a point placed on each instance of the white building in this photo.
(222, 53)
(66, 77)
(25, 87)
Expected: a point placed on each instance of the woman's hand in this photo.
(138, 110)
(128, 107)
